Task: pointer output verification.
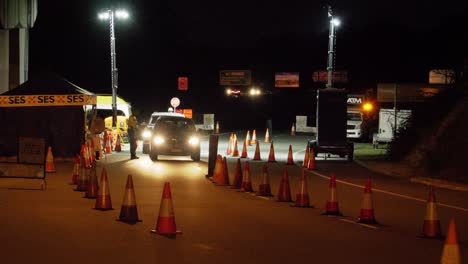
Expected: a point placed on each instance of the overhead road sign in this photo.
(235, 77)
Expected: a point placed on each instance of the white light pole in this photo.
(110, 15)
(334, 22)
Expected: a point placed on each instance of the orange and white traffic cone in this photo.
(103, 199)
(247, 138)
(451, 251)
(235, 152)
(92, 190)
(271, 156)
(166, 224)
(246, 181)
(76, 170)
(306, 157)
(302, 198)
(284, 193)
(118, 147)
(267, 136)
(224, 178)
(290, 160)
(218, 169)
(264, 187)
(229, 149)
(108, 143)
(91, 150)
(257, 152)
(431, 227)
(254, 137)
(293, 130)
(331, 207)
(85, 155)
(244, 151)
(311, 163)
(83, 180)
(128, 211)
(367, 207)
(237, 176)
(217, 128)
(50, 167)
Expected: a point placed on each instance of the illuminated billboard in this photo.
(287, 80)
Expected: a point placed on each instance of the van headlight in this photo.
(194, 141)
(158, 140)
(146, 134)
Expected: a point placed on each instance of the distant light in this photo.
(228, 91)
(103, 15)
(121, 14)
(336, 22)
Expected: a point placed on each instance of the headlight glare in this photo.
(158, 140)
(194, 141)
(146, 134)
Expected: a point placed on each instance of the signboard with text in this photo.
(46, 100)
(287, 79)
(337, 76)
(235, 77)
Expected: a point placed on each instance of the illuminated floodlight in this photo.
(336, 22)
(368, 107)
(121, 14)
(103, 15)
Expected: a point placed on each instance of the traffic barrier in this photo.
(229, 149)
(302, 198)
(103, 199)
(237, 175)
(246, 181)
(290, 160)
(254, 137)
(311, 163)
(235, 152)
(247, 138)
(271, 156)
(217, 128)
(92, 190)
(218, 169)
(305, 163)
(367, 207)
(451, 250)
(264, 188)
(244, 151)
(76, 170)
(293, 130)
(284, 193)
(50, 167)
(267, 136)
(118, 148)
(166, 224)
(257, 152)
(83, 180)
(128, 211)
(331, 207)
(431, 226)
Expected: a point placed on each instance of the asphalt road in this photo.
(219, 224)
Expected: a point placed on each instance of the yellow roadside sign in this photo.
(46, 100)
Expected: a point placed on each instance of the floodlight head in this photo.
(123, 14)
(103, 15)
(336, 22)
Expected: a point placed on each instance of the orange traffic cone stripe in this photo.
(271, 156)
(284, 193)
(166, 224)
(311, 163)
(267, 136)
(332, 207)
(367, 206)
(431, 226)
(305, 163)
(264, 187)
(254, 137)
(237, 176)
(246, 181)
(302, 198)
(103, 199)
(218, 169)
(247, 138)
(128, 211)
(50, 167)
(257, 152)
(451, 250)
(235, 153)
(290, 160)
(244, 150)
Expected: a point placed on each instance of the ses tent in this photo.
(49, 107)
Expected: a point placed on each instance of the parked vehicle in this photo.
(388, 119)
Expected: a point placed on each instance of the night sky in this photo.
(378, 41)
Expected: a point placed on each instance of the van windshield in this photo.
(173, 124)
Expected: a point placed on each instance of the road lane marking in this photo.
(361, 224)
(392, 193)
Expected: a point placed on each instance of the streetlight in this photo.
(110, 15)
(334, 22)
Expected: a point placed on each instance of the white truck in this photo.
(354, 121)
(388, 118)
